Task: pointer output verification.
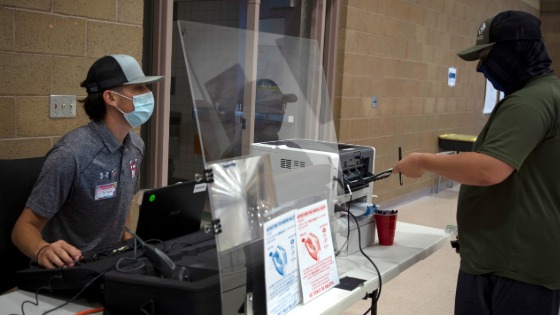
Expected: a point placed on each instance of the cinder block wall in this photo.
(400, 51)
(550, 17)
(397, 50)
(46, 48)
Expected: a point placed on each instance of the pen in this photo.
(400, 158)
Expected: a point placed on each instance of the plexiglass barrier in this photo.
(234, 73)
(269, 146)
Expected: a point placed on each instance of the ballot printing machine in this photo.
(341, 173)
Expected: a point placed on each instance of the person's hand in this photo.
(410, 166)
(59, 254)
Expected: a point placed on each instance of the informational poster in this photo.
(281, 267)
(317, 265)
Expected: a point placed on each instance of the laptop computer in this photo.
(171, 211)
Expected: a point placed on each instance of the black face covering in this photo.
(512, 63)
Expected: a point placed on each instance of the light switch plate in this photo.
(62, 106)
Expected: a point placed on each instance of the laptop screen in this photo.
(171, 211)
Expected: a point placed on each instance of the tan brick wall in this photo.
(550, 17)
(397, 50)
(46, 47)
(400, 51)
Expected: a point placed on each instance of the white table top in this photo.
(10, 303)
(412, 244)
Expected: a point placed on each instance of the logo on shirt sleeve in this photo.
(133, 168)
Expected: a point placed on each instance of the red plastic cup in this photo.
(386, 225)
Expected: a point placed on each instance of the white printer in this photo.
(340, 173)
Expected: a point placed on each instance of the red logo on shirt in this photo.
(133, 168)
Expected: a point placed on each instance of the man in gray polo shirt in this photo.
(83, 194)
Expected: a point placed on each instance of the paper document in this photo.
(317, 265)
(281, 267)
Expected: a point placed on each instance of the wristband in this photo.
(39, 251)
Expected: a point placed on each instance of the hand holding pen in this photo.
(386, 173)
(410, 165)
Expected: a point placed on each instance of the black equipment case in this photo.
(146, 292)
(128, 283)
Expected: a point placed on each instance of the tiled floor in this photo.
(428, 287)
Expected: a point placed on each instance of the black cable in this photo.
(374, 302)
(80, 292)
(48, 287)
(141, 261)
(386, 173)
(382, 175)
(117, 266)
(36, 302)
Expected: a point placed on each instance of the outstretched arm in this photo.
(470, 168)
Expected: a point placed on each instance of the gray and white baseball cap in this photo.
(115, 70)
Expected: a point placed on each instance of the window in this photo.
(173, 146)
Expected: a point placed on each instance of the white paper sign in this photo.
(281, 267)
(451, 76)
(317, 265)
(490, 98)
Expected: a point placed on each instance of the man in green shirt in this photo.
(508, 211)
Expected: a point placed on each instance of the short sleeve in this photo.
(514, 131)
(54, 183)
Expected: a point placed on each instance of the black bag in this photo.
(128, 283)
(144, 291)
(150, 294)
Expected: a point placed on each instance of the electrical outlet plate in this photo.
(62, 106)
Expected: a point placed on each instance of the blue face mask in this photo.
(143, 109)
(487, 75)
